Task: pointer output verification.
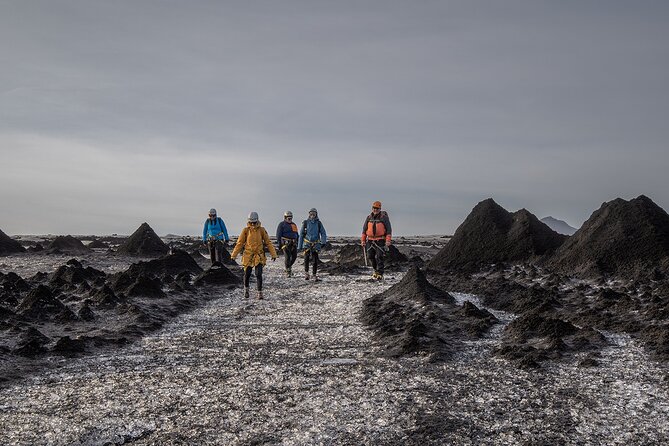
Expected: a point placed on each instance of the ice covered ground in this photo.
(298, 368)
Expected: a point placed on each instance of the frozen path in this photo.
(298, 368)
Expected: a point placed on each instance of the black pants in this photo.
(247, 276)
(376, 253)
(216, 251)
(308, 254)
(290, 254)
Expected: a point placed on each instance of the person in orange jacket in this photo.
(253, 240)
(376, 238)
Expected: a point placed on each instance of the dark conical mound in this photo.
(217, 276)
(40, 304)
(413, 316)
(144, 242)
(67, 245)
(624, 238)
(8, 245)
(490, 234)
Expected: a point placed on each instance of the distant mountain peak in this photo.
(559, 226)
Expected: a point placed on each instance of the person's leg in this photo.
(381, 253)
(212, 252)
(259, 277)
(315, 263)
(247, 279)
(371, 254)
(219, 251)
(293, 254)
(307, 257)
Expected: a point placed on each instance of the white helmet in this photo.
(253, 217)
(287, 214)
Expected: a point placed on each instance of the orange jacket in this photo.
(377, 227)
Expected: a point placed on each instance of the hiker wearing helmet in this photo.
(253, 240)
(376, 238)
(214, 235)
(286, 237)
(312, 238)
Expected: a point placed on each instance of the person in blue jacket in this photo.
(286, 237)
(214, 235)
(312, 238)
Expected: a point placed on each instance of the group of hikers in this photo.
(310, 239)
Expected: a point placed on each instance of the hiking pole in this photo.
(364, 251)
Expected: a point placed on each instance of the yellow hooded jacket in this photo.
(253, 239)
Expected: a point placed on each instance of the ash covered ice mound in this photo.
(414, 316)
(8, 245)
(144, 242)
(621, 238)
(66, 244)
(490, 234)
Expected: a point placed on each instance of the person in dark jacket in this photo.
(312, 238)
(214, 235)
(376, 238)
(287, 237)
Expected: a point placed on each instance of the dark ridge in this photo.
(144, 242)
(491, 235)
(8, 245)
(351, 257)
(622, 238)
(98, 244)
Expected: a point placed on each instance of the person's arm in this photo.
(363, 237)
(278, 235)
(324, 236)
(241, 241)
(301, 242)
(225, 230)
(389, 230)
(269, 244)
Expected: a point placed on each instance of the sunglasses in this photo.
(377, 209)
(212, 216)
(289, 218)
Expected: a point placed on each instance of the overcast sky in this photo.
(113, 113)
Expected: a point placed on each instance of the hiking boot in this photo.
(246, 292)
(316, 278)
(306, 276)
(259, 295)
(289, 272)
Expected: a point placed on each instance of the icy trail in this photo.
(298, 368)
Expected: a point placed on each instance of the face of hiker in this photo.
(212, 216)
(312, 215)
(375, 210)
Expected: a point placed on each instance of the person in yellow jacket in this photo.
(253, 240)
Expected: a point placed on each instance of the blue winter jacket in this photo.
(313, 232)
(286, 230)
(216, 230)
